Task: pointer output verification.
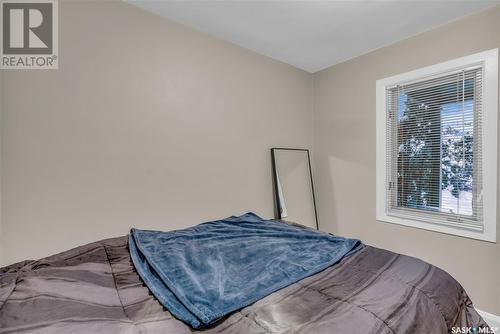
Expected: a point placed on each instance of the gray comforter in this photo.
(95, 289)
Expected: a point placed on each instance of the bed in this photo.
(95, 288)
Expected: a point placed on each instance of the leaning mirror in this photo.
(293, 186)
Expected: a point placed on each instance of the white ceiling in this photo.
(313, 35)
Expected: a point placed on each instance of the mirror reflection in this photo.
(293, 186)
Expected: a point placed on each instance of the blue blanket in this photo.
(204, 272)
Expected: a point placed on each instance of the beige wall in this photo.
(344, 142)
(146, 123)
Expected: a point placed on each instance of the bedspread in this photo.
(95, 289)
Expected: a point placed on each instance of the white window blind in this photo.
(434, 157)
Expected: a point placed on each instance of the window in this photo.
(437, 147)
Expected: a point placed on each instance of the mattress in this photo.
(95, 289)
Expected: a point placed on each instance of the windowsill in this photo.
(452, 230)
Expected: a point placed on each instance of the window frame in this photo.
(489, 62)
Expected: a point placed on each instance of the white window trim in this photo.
(489, 61)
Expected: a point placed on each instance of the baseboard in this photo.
(491, 319)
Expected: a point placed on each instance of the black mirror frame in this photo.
(275, 182)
